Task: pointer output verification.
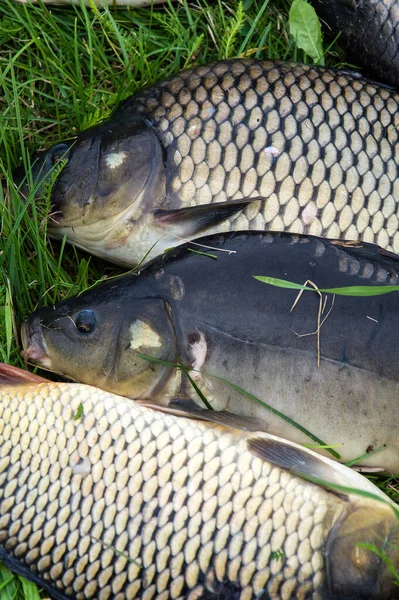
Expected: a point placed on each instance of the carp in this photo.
(369, 32)
(198, 315)
(101, 497)
(232, 145)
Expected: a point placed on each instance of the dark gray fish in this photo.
(196, 152)
(127, 503)
(212, 316)
(369, 33)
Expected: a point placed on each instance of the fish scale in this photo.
(369, 32)
(319, 144)
(233, 145)
(126, 502)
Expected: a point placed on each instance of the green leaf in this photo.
(305, 28)
(352, 290)
(203, 253)
(79, 413)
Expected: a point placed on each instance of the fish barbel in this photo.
(124, 502)
(196, 151)
(203, 308)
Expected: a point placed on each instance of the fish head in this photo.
(121, 344)
(105, 171)
(363, 553)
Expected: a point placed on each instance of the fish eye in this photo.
(59, 151)
(85, 321)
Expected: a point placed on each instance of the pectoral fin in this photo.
(194, 219)
(182, 407)
(14, 376)
(303, 462)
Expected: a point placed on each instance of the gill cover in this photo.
(362, 550)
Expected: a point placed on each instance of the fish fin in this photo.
(15, 376)
(182, 407)
(303, 462)
(194, 219)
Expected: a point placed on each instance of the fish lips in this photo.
(34, 347)
(44, 167)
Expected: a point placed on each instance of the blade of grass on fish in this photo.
(247, 395)
(203, 253)
(134, 271)
(179, 365)
(383, 555)
(347, 490)
(321, 447)
(196, 388)
(364, 456)
(354, 290)
(278, 413)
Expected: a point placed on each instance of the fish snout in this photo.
(34, 346)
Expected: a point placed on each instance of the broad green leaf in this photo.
(305, 29)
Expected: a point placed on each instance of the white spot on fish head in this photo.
(115, 159)
(82, 467)
(309, 213)
(159, 274)
(272, 150)
(143, 335)
(197, 349)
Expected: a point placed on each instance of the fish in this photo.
(197, 318)
(239, 144)
(369, 33)
(101, 497)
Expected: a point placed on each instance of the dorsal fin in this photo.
(15, 376)
(304, 462)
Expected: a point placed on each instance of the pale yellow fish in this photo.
(196, 151)
(103, 498)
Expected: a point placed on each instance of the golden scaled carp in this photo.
(101, 498)
(196, 151)
(204, 309)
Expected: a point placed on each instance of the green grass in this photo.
(62, 70)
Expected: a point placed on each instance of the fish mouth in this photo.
(34, 346)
